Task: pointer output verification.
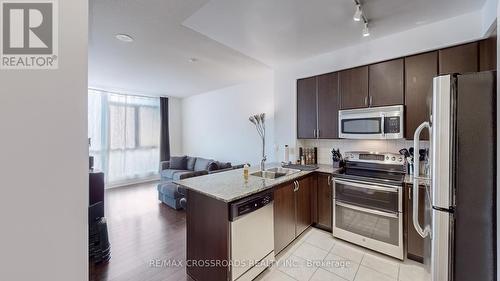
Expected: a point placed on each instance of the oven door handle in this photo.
(389, 188)
(366, 210)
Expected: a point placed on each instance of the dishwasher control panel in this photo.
(249, 204)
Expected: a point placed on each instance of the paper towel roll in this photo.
(286, 155)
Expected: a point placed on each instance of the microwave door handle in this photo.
(383, 124)
(416, 179)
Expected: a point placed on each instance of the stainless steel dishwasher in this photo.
(252, 236)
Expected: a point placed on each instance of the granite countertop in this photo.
(231, 185)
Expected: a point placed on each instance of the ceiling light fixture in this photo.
(366, 31)
(358, 14)
(124, 38)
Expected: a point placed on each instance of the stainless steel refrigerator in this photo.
(461, 228)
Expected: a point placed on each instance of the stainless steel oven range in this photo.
(368, 202)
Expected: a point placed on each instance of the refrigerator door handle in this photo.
(416, 177)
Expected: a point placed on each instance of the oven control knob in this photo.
(387, 158)
(400, 159)
(393, 158)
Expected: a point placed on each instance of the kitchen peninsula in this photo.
(288, 205)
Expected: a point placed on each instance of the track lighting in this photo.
(366, 31)
(360, 16)
(358, 13)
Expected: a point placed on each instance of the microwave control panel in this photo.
(392, 125)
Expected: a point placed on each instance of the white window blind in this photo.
(125, 135)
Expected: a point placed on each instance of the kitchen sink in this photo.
(274, 173)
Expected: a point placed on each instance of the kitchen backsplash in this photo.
(325, 146)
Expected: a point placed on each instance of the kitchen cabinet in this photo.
(386, 83)
(488, 53)
(314, 198)
(317, 107)
(306, 108)
(419, 73)
(328, 106)
(303, 207)
(414, 242)
(284, 216)
(324, 201)
(353, 85)
(459, 59)
(292, 211)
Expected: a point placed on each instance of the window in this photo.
(125, 135)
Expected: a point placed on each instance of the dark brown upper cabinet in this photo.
(459, 59)
(328, 106)
(488, 53)
(419, 73)
(386, 86)
(353, 84)
(306, 108)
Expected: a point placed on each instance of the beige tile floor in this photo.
(317, 256)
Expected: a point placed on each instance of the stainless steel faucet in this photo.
(259, 121)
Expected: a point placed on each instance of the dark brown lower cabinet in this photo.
(292, 211)
(303, 209)
(324, 201)
(207, 238)
(415, 242)
(284, 216)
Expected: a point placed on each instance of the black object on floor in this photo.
(99, 247)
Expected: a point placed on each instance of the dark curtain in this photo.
(164, 134)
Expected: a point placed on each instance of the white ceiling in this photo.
(278, 32)
(233, 40)
(157, 62)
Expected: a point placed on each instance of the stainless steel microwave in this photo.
(372, 123)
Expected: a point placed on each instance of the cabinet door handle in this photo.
(317, 133)
(366, 101)
(314, 133)
(329, 180)
(371, 100)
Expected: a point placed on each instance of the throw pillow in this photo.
(223, 165)
(202, 164)
(178, 163)
(213, 166)
(190, 163)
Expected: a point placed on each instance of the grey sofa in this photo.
(184, 167)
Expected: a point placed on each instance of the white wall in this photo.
(464, 28)
(44, 161)
(215, 124)
(175, 125)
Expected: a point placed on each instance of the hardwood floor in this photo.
(142, 231)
